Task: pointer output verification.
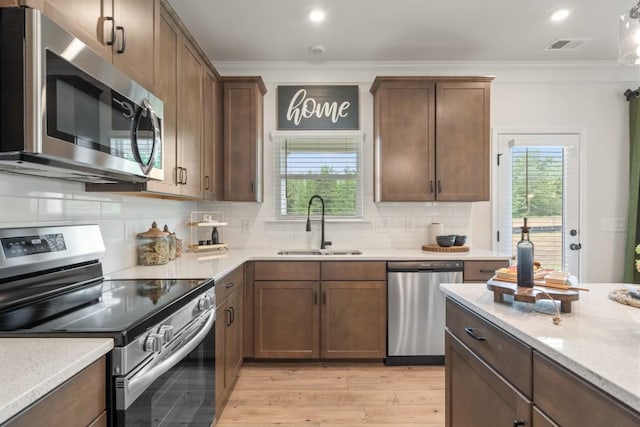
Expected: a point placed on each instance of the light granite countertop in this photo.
(599, 340)
(32, 367)
(215, 265)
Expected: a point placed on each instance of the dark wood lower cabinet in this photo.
(79, 402)
(287, 318)
(476, 396)
(570, 401)
(353, 320)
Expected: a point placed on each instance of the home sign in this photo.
(318, 107)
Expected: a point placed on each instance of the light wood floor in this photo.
(321, 395)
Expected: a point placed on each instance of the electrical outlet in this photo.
(246, 225)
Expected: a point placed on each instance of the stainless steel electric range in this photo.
(162, 369)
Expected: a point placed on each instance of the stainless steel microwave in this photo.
(66, 112)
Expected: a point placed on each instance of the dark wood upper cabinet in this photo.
(242, 139)
(431, 137)
(121, 31)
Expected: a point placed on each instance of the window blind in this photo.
(329, 167)
(538, 185)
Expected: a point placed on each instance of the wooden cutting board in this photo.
(436, 248)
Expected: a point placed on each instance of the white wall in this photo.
(584, 98)
(27, 201)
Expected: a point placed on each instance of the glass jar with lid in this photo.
(172, 242)
(153, 246)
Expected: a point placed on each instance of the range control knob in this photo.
(204, 303)
(153, 343)
(166, 331)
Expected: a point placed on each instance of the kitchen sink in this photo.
(306, 252)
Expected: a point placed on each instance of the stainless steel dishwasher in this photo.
(416, 310)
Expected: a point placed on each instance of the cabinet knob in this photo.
(517, 423)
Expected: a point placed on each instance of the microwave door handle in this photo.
(137, 383)
(146, 166)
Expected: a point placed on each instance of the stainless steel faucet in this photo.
(323, 242)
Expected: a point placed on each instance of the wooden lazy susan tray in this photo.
(531, 295)
(437, 248)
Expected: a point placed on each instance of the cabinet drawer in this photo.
(353, 270)
(229, 283)
(556, 391)
(507, 355)
(78, 402)
(292, 270)
(481, 271)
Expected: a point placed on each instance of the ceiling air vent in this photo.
(566, 44)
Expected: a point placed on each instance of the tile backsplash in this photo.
(27, 201)
(385, 225)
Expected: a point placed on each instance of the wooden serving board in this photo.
(531, 295)
(437, 248)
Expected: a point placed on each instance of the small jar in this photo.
(178, 247)
(172, 243)
(153, 246)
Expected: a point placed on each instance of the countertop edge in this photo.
(623, 395)
(97, 347)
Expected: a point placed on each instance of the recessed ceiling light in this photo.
(317, 15)
(560, 15)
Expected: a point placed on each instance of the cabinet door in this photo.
(462, 149)
(209, 137)
(405, 141)
(85, 19)
(242, 141)
(556, 391)
(166, 87)
(136, 28)
(234, 337)
(354, 320)
(190, 80)
(476, 396)
(286, 322)
(541, 420)
(222, 319)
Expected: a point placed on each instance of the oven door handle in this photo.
(132, 387)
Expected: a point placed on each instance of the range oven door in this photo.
(177, 389)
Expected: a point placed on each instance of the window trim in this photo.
(279, 137)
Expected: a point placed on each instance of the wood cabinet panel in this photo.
(278, 270)
(556, 392)
(353, 270)
(476, 395)
(463, 144)
(507, 355)
(287, 317)
(190, 96)
(481, 271)
(136, 28)
(222, 393)
(249, 308)
(405, 142)
(541, 420)
(166, 87)
(353, 320)
(234, 337)
(77, 402)
(229, 283)
(87, 22)
(209, 135)
(243, 128)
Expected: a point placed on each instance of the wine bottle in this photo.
(215, 239)
(525, 258)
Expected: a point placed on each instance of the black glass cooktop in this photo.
(125, 309)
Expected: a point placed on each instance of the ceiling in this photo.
(402, 30)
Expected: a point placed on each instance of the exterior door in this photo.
(539, 178)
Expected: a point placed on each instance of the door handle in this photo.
(206, 182)
(112, 40)
(228, 317)
(315, 298)
(439, 187)
(233, 314)
(186, 175)
(324, 298)
(473, 334)
(123, 45)
(575, 246)
(431, 186)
